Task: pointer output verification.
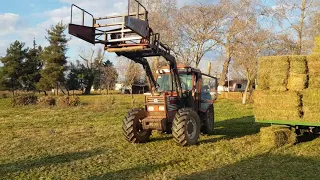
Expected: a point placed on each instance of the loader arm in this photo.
(145, 64)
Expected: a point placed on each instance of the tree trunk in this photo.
(301, 23)
(245, 94)
(225, 69)
(57, 89)
(12, 87)
(89, 86)
(108, 89)
(45, 92)
(226, 64)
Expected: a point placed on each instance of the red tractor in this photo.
(180, 101)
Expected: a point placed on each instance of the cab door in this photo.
(208, 91)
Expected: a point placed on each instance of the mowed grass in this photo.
(86, 142)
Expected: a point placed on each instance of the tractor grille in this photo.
(155, 100)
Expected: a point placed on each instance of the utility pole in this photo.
(209, 68)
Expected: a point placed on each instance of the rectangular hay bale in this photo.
(314, 70)
(277, 136)
(273, 73)
(297, 80)
(317, 45)
(274, 105)
(311, 105)
(264, 71)
(279, 74)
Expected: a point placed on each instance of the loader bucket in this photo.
(83, 32)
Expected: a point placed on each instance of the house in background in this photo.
(234, 86)
(118, 86)
(138, 88)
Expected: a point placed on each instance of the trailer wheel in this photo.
(186, 127)
(208, 121)
(132, 127)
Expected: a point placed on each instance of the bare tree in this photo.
(253, 43)
(109, 76)
(237, 15)
(132, 73)
(296, 13)
(197, 27)
(91, 65)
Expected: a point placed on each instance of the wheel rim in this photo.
(191, 128)
(139, 129)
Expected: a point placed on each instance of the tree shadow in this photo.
(137, 172)
(266, 166)
(45, 161)
(235, 128)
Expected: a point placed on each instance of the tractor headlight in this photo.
(161, 108)
(150, 108)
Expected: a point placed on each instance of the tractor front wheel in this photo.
(186, 127)
(208, 121)
(132, 127)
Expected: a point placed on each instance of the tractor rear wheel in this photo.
(132, 127)
(208, 121)
(186, 127)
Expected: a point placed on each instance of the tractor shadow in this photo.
(265, 166)
(26, 165)
(306, 138)
(161, 137)
(235, 128)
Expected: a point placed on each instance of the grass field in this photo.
(86, 142)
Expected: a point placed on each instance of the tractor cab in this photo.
(196, 94)
(193, 83)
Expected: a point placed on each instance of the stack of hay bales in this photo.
(288, 90)
(280, 80)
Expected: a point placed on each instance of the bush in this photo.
(47, 101)
(4, 96)
(23, 100)
(74, 101)
(69, 100)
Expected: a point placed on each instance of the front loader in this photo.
(180, 100)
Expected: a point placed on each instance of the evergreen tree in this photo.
(13, 66)
(54, 57)
(73, 82)
(31, 68)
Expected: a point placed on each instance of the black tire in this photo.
(186, 127)
(132, 127)
(208, 121)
